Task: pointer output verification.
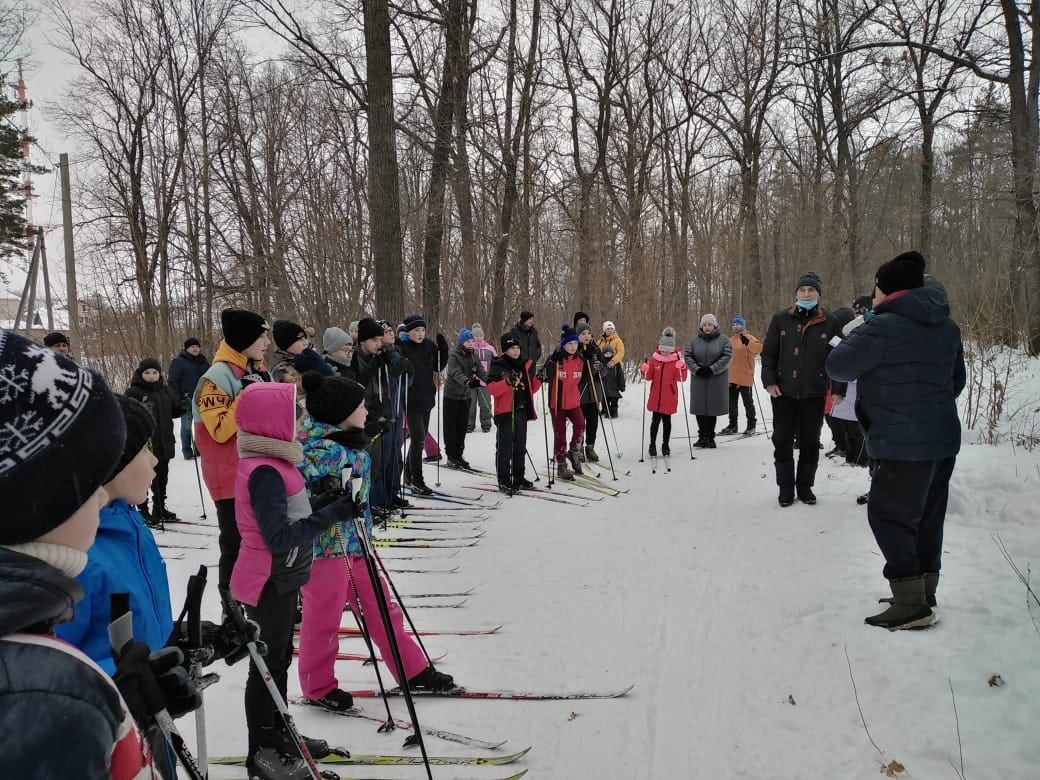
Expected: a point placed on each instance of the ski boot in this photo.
(750, 430)
(432, 458)
(457, 463)
(729, 430)
(271, 764)
(652, 450)
(701, 443)
(711, 445)
(399, 502)
(523, 484)
(429, 679)
(336, 700)
(574, 456)
(563, 470)
(420, 488)
(590, 454)
(806, 495)
(666, 450)
(165, 515)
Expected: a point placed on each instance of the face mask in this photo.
(806, 305)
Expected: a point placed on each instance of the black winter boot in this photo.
(429, 679)
(908, 609)
(931, 584)
(729, 429)
(785, 481)
(804, 480)
(652, 450)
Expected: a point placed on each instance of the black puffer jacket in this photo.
(909, 362)
(164, 407)
(185, 372)
(796, 348)
(530, 344)
(427, 359)
(59, 716)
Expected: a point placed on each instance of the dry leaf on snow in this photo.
(893, 769)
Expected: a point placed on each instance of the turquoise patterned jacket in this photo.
(325, 458)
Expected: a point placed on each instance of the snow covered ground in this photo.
(732, 617)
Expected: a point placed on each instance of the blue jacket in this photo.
(124, 559)
(909, 362)
(185, 373)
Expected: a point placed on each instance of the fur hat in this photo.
(902, 272)
(331, 399)
(809, 279)
(241, 328)
(61, 434)
(367, 329)
(667, 341)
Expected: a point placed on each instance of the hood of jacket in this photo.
(149, 387)
(226, 354)
(33, 594)
(268, 409)
(119, 517)
(199, 358)
(926, 305)
(671, 357)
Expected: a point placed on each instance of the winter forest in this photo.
(643, 160)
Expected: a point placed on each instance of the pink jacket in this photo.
(267, 409)
(665, 373)
(485, 353)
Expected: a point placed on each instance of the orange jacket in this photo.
(742, 364)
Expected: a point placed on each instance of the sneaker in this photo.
(336, 700)
(432, 458)
(652, 450)
(271, 764)
(523, 484)
(590, 454)
(429, 679)
(420, 489)
(729, 430)
(666, 450)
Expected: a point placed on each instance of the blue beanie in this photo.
(738, 320)
(465, 335)
(569, 335)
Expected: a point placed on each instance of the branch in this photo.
(964, 62)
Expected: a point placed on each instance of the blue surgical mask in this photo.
(806, 305)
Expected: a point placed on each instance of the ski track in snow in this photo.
(719, 606)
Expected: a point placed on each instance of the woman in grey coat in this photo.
(707, 356)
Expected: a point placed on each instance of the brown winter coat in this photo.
(742, 365)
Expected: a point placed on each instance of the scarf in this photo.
(67, 560)
(252, 446)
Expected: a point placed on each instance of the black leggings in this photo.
(418, 425)
(275, 613)
(162, 478)
(665, 421)
(591, 412)
(229, 539)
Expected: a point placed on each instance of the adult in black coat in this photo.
(793, 356)
(148, 387)
(427, 360)
(185, 372)
(909, 361)
(526, 335)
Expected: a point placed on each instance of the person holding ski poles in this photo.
(464, 375)
(665, 371)
(512, 384)
(278, 526)
(428, 360)
(745, 348)
(589, 387)
(562, 372)
(480, 397)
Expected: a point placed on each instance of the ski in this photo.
(365, 658)
(366, 759)
(653, 464)
(604, 485)
(433, 509)
(578, 484)
(459, 502)
(418, 557)
(538, 493)
(667, 463)
(425, 571)
(171, 528)
(457, 497)
(352, 631)
(461, 739)
(414, 545)
(739, 436)
(460, 594)
(465, 693)
(470, 538)
(454, 605)
(166, 546)
(409, 525)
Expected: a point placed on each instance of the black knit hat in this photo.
(147, 363)
(902, 272)
(140, 427)
(61, 433)
(241, 327)
(192, 342)
(578, 316)
(413, 321)
(810, 279)
(864, 302)
(508, 341)
(286, 333)
(526, 315)
(367, 329)
(55, 337)
(331, 399)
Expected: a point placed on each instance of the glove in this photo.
(442, 343)
(597, 365)
(376, 427)
(251, 379)
(400, 367)
(150, 682)
(543, 373)
(474, 382)
(744, 340)
(704, 372)
(512, 377)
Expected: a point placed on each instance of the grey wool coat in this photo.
(709, 396)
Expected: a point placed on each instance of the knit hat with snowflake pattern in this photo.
(61, 435)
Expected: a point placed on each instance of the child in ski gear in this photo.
(339, 350)
(148, 387)
(613, 350)
(428, 360)
(278, 526)
(796, 346)
(334, 452)
(512, 385)
(562, 372)
(386, 481)
(665, 371)
(480, 398)
(238, 363)
(185, 372)
(745, 348)
(294, 353)
(526, 335)
(590, 385)
(61, 715)
(909, 361)
(708, 357)
(464, 375)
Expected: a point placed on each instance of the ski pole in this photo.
(754, 389)
(120, 636)
(395, 649)
(198, 476)
(642, 434)
(595, 397)
(234, 611)
(197, 656)
(405, 444)
(610, 420)
(534, 468)
(686, 416)
(545, 432)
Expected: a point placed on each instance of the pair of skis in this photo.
(375, 759)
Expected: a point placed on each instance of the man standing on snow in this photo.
(909, 361)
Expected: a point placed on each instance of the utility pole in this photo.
(70, 253)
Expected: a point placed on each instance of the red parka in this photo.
(664, 372)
